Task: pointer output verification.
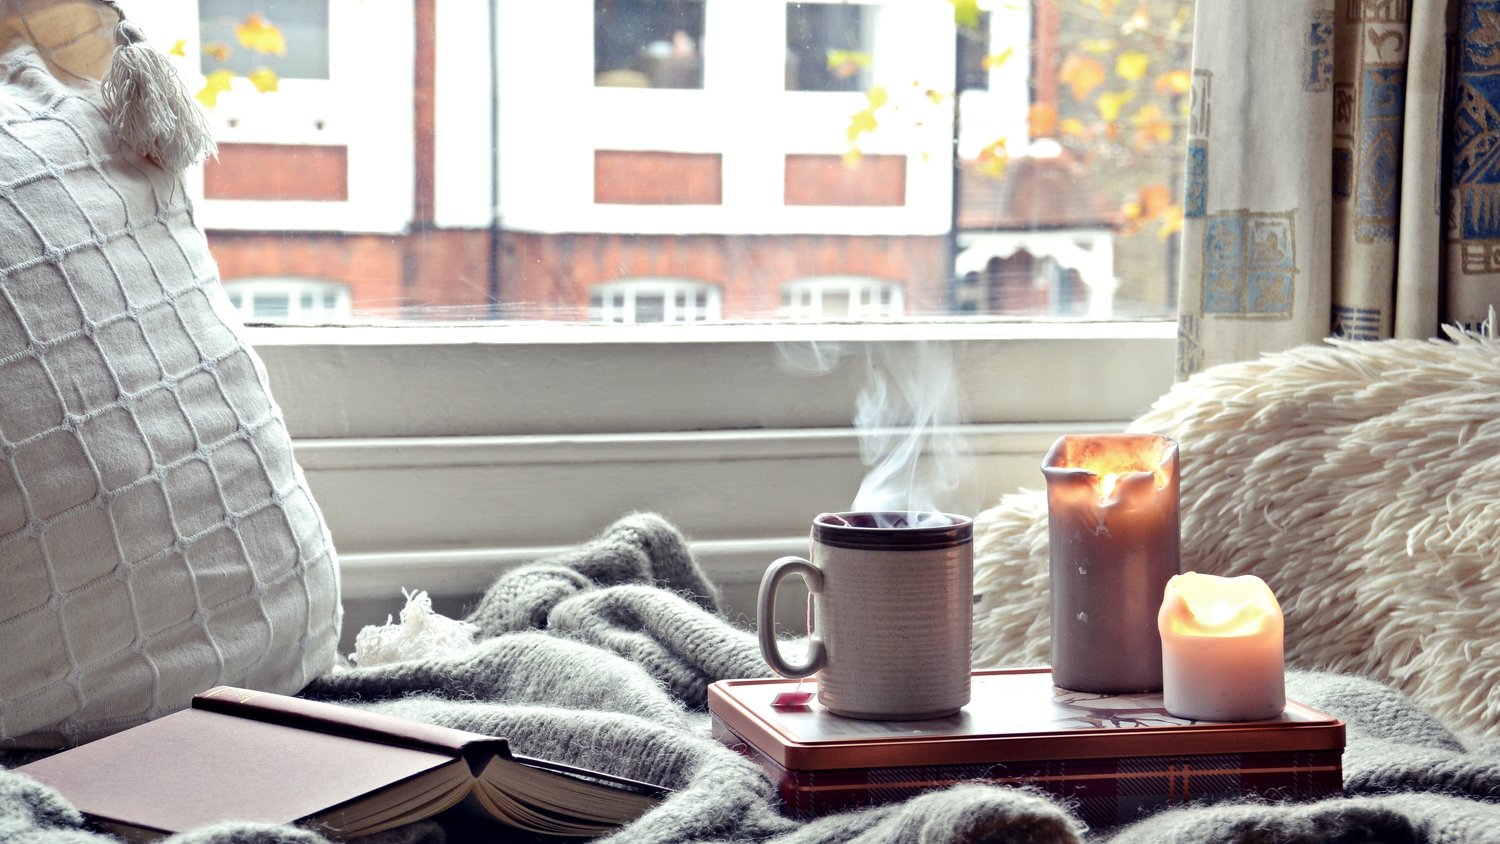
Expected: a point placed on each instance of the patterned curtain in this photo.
(1343, 173)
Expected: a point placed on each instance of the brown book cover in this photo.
(1112, 756)
(255, 756)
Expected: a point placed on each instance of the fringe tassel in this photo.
(149, 108)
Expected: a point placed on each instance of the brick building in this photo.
(618, 160)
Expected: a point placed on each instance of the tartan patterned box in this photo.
(1113, 757)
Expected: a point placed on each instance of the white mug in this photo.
(892, 613)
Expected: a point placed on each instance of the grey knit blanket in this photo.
(602, 658)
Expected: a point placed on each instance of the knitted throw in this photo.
(601, 658)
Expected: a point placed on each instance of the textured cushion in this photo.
(156, 536)
(1360, 480)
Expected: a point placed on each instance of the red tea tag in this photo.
(791, 700)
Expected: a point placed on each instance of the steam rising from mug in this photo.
(908, 415)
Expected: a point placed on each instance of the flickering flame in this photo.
(1205, 605)
(1107, 485)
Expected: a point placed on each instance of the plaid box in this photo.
(1127, 760)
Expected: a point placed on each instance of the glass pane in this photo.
(648, 43)
(302, 26)
(815, 140)
(827, 47)
(650, 308)
(270, 305)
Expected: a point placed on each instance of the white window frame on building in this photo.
(682, 300)
(304, 301)
(866, 298)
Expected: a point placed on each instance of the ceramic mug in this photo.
(892, 613)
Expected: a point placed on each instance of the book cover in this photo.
(1115, 756)
(255, 756)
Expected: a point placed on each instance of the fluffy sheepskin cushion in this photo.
(1360, 480)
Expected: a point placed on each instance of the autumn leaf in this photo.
(993, 160)
(179, 49)
(864, 120)
(1111, 103)
(264, 79)
(1042, 118)
(1131, 65)
(260, 35)
(218, 51)
(1130, 218)
(994, 60)
(1151, 127)
(1074, 128)
(1177, 81)
(1139, 22)
(1083, 74)
(1171, 222)
(214, 84)
(966, 13)
(1154, 200)
(852, 158)
(846, 63)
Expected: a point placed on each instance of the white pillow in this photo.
(156, 536)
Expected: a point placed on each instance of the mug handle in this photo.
(765, 617)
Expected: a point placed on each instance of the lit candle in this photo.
(1221, 642)
(1112, 516)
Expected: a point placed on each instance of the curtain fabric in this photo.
(1343, 173)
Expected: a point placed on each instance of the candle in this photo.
(1221, 642)
(1112, 517)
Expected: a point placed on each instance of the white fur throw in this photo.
(1361, 480)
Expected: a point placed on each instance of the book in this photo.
(244, 755)
(1112, 757)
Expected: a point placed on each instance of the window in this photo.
(651, 301)
(585, 243)
(289, 300)
(841, 298)
(303, 25)
(648, 43)
(828, 46)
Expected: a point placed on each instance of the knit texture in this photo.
(602, 674)
(156, 534)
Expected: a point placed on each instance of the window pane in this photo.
(815, 141)
(303, 24)
(270, 306)
(648, 43)
(827, 47)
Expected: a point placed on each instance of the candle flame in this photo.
(1205, 605)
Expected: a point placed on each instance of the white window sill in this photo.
(441, 455)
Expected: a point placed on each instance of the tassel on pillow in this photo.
(149, 108)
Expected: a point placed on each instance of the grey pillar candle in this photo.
(1112, 516)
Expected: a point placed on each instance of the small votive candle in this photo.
(1221, 645)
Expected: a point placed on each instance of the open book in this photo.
(343, 772)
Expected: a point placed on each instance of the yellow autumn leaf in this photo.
(1171, 222)
(1154, 200)
(846, 63)
(1042, 118)
(993, 159)
(1151, 127)
(864, 120)
(214, 84)
(1082, 74)
(1073, 128)
(179, 49)
(1110, 103)
(1131, 65)
(994, 60)
(264, 79)
(852, 158)
(966, 13)
(260, 35)
(1177, 81)
(218, 51)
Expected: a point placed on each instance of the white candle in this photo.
(1221, 646)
